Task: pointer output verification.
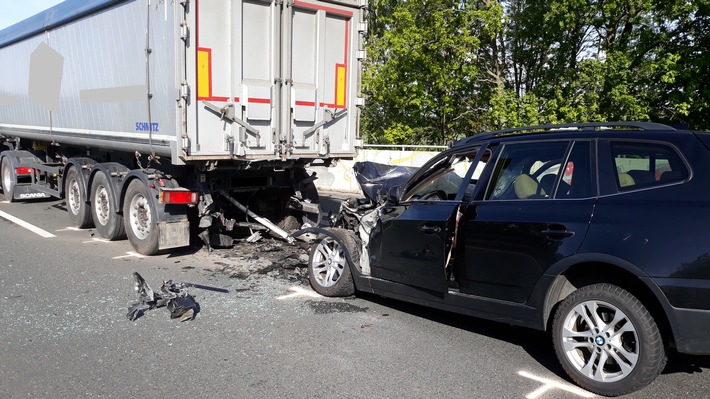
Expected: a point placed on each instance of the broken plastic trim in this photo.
(174, 296)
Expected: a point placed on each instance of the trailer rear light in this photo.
(23, 171)
(178, 197)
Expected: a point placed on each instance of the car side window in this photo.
(641, 165)
(527, 170)
(446, 177)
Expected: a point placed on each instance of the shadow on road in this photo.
(538, 344)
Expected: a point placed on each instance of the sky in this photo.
(13, 11)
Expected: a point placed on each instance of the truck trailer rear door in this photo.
(272, 79)
(323, 66)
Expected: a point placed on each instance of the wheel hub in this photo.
(74, 197)
(140, 217)
(600, 341)
(102, 205)
(328, 262)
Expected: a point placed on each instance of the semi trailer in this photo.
(157, 118)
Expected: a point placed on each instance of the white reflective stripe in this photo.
(550, 384)
(26, 225)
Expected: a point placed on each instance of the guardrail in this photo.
(404, 147)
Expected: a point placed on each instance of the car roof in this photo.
(571, 130)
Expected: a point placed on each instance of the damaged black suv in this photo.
(595, 232)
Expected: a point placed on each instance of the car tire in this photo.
(75, 197)
(607, 341)
(328, 266)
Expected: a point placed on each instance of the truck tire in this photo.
(104, 209)
(140, 219)
(7, 179)
(328, 266)
(75, 196)
(607, 341)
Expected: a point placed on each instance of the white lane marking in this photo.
(299, 291)
(70, 229)
(97, 240)
(26, 225)
(129, 255)
(549, 384)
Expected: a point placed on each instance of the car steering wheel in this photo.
(436, 194)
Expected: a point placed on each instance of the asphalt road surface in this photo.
(64, 334)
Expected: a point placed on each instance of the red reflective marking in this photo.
(306, 103)
(345, 66)
(179, 197)
(324, 8)
(259, 100)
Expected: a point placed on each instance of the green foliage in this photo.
(420, 71)
(439, 70)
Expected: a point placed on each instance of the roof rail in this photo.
(570, 126)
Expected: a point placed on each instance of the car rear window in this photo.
(641, 164)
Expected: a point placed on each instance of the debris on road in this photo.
(269, 257)
(172, 295)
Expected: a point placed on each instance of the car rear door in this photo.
(535, 212)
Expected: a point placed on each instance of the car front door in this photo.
(535, 212)
(411, 242)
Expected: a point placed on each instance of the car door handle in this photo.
(558, 233)
(429, 229)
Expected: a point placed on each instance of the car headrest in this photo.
(626, 180)
(525, 186)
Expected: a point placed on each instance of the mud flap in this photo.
(174, 234)
(24, 191)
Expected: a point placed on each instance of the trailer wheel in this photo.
(104, 210)
(8, 179)
(75, 195)
(139, 217)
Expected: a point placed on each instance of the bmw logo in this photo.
(599, 340)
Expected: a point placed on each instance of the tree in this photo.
(420, 73)
(440, 69)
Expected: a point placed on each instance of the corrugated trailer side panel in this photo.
(102, 99)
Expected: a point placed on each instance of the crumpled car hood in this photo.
(375, 178)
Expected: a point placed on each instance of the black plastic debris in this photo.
(174, 296)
